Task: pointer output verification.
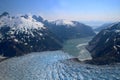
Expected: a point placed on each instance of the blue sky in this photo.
(82, 10)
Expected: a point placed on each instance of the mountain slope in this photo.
(105, 47)
(23, 34)
(65, 29)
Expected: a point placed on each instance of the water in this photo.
(76, 47)
(54, 65)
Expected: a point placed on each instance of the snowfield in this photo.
(20, 24)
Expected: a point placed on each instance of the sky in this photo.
(88, 11)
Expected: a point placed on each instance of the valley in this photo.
(59, 39)
(32, 48)
(76, 48)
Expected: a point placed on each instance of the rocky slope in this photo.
(23, 34)
(105, 46)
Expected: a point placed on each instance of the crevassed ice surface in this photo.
(54, 65)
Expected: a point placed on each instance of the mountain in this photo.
(23, 34)
(104, 26)
(65, 29)
(105, 46)
(4, 14)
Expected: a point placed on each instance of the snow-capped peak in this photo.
(20, 22)
(64, 22)
(4, 14)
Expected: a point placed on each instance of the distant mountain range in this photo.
(104, 26)
(24, 34)
(105, 46)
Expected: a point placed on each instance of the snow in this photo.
(115, 48)
(12, 37)
(117, 31)
(40, 34)
(20, 23)
(15, 40)
(25, 43)
(54, 65)
(104, 32)
(96, 32)
(118, 46)
(11, 32)
(107, 40)
(1, 57)
(64, 22)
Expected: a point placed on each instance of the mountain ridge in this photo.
(105, 46)
(21, 35)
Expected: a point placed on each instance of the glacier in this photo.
(54, 65)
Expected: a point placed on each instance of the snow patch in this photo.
(117, 31)
(40, 34)
(115, 48)
(118, 46)
(107, 40)
(15, 40)
(25, 43)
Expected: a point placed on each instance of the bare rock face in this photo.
(105, 46)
